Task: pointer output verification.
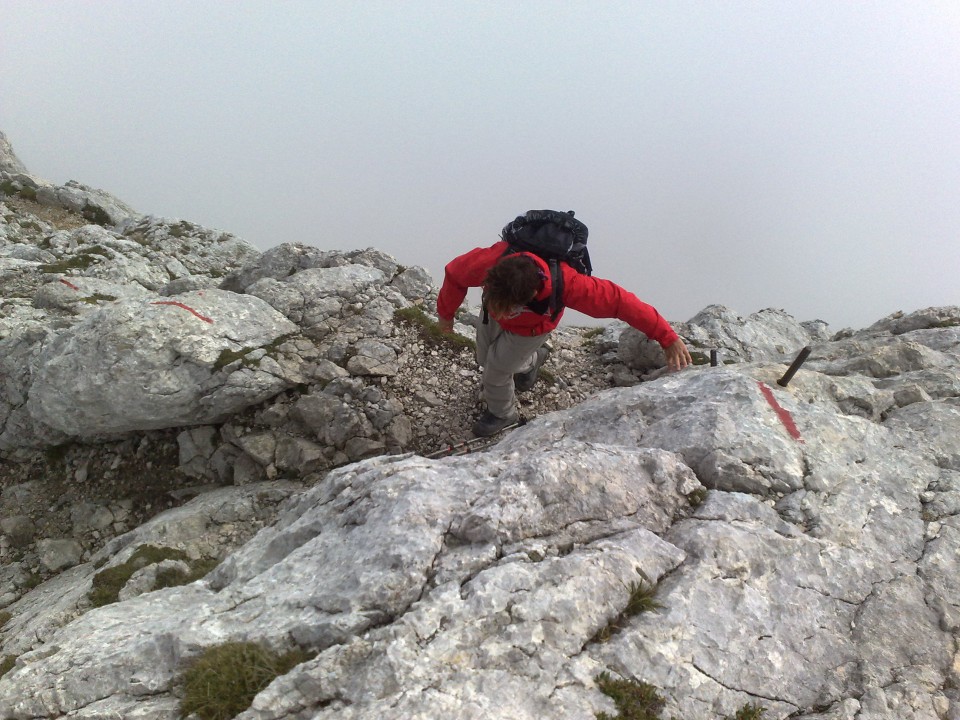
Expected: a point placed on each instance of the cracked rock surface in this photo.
(815, 578)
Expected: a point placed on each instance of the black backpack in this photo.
(553, 236)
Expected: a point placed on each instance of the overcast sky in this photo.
(798, 155)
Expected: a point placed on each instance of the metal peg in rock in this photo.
(713, 358)
(794, 366)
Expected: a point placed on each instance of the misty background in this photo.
(796, 155)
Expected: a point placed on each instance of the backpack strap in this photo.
(554, 304)
(556, 296)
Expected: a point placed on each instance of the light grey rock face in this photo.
(97, 206)
(59, 554)
(139, 364)
(317, 298)
(414, 284)
(205, 528)
(184, 249)
(765, 335)
(9, 162)
(81, 311)
(373, 358)
(926, 319)
(280, 262)
(358, 562)
(818, 578)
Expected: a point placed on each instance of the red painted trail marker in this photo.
(179, 304)
(69, 284)
(785, 417)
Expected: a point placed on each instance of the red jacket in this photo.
(590, 295)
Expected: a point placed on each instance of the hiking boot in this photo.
(525, 381)
(489, 424)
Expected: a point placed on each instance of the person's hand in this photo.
(446, 326)
(678, 357)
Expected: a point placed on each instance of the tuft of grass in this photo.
(108, 583)
(748, 712)
(640, 600)
(697, 497)
(6, 664)
(548, 377)
(634, 700)
(32, 581)
(5, 617)
(225, 679)
(430, 330)
(97, 298)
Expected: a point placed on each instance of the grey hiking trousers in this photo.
(502, 354)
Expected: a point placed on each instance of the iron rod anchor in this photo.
(792, 370)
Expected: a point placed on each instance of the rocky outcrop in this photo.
(201, 443)
(802, 550)
(766, 335)
(9, 162)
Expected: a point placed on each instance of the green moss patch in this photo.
(77, 262)
(228, 357)
(97, 298)
(12, 190)
(174, 577)
(225, 679)
(5, 617)
(95, 214)
(697, 497)
(108, 583)
(430, 330)
(6, 664)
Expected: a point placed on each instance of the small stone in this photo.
(59, 554)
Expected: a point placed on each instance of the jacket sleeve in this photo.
(601, 298)
(463, 272)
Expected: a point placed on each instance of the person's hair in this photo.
(513, 281)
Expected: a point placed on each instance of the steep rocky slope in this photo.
(201, 444)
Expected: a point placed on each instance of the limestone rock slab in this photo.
(141, 364)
